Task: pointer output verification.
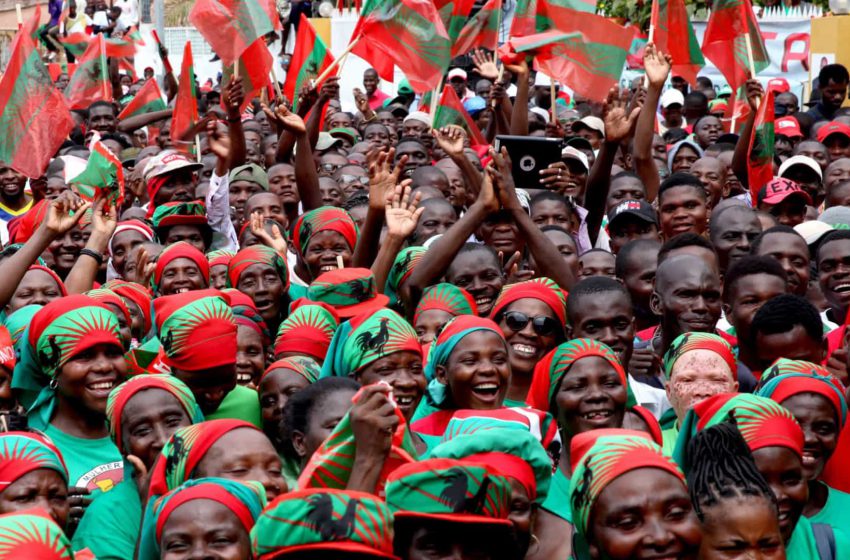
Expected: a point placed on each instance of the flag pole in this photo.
(750, 59)
(105, 68)
(19, 14)
(276, 85)
(335, 63)
(434, 95)
(552, 96)
(198, 147)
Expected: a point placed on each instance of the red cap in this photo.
(788, 126)
(831, 128)
(780, 188)
(778, 85)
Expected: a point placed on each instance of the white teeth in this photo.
(486, 387)
(182, 290)
(243, 377)
(102, 386)
(327, 268)
(842, 287)
(599, 415)
(482, 300)
(524, 349)
(404, 401)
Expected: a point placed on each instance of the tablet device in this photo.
(530, 155)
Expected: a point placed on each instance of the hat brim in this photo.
(778, 199)
(378, 302)
(635, 215)
(169, 221)
(190, 165)
(356, 550)
(455, 518)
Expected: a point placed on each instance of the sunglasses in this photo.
(543, 326)
(363, 180)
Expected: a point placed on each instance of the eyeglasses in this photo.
(363, 179)
(329, 167)
(542, 325)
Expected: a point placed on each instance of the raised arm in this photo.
(450, 139)
(133, 123)
(755, 93)
(519, 116)
(306, 177)
(83, 274)
(657, 66)
(401, 216)
(383, 177)
(233, 95)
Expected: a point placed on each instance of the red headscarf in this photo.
(108, 296)
(542, 289)
(22, 227)
(205, 491)
(136, 293)
(7, 350)
(181, 250)
(59, 283)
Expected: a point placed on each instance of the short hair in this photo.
(425, 174)
(687, 239)
(590, 286)
(404, 139)
(835, 73)
(837, 235)
(634, 246)
(680, 179)
(469, 247)
(358, 198)
(704, 82)
(299, 408)
(721, 147)
(756, 245)
(750, 266)
(674, 135)
(100, 103)
(717, 212)
(554, 197)
(783, 313)
(695, 99)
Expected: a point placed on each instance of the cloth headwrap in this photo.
(136, 293)
(446, 297)
(105, 296)
(367, 338)
(308, 329)
(121, 395)
(219, 257)
(154, 184)
(246, 315)
(7, 350)
(181, 250)
(256, 254)
(131, 225)
(539, 424)
(686, 342)
(786, 378)
(17, 324)
(402, 268)
(513, 453)
(303, 366)
(326, 218)
(551, 370)
(33, 534)
(543, 289)
(288, 525)
(598, 457)
(174, 213)
(59, 331)
(59, 283)
(761, 421)
(245, 499)
(24, 452)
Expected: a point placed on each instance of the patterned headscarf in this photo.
(786, 378)
(543, 289)
(33, 534)
(219, 257)
(60, 285)
(446, 297)
(105, 296)
(600, 456)
(17, 324)
(402, 268)
(367, 338)
(340, 520)
(256, 254)
(761, 421)
(24, 452)
(246, 315)
(7, 350)
(121, 395)
(326, 218)
(245, 499)
(350, 291)
(136, 293)
(197, 330)
(687, 342)
(308, 329)
(303, 366)
(180, 250)
(174, 213)
(131, 225)
(549, 372)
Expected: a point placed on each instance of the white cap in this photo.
(456, 73)
(326, 141)
(800, 160)
(540, 111)
(672, 97)
(593, 123)
(572, 153)
(813, 230)
(542, 80)
(420, 116)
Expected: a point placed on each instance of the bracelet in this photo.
(93, 254)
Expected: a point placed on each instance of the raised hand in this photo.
(275, 239)
(485, 65)
(619, 122)
(233, 96)
(450, 140)
(64, 213)
(656, 64)
(383, 177)
(754, 93)
(217, 139)
(361, 101)
(487, 198)
(104, 221)
(503, 180)
(286, 119)
(401, 213)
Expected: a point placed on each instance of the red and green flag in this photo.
(674, 34)
(725, 41)
(103, 174)
(535, 16)
(481, 31)
(147, 100)
(76, 43)
(185, 114)
(450, 111)
(760, 152)
(231, 26)
(255, 64)
(454, 14)
(33, 115)
(310, 58)
(90, 82)
(409, 33)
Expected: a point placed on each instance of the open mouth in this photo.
(524, 350)
(484, 302)
(842, 288)
(327, 268)
(810, 460)
(243, 378)
(404, 401)
(597, 415)
(486, 391)
(101, 388)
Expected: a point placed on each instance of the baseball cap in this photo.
(474, 105)
(593, 123)
(572, 153)
(345, 132)
(456, 73)
(672, 97)
(404, 87)
(579, 142)
(542, 80)
(397, 109)
(813, 230)
(836, 216)
(718, 106)
(788, 126)
(801, 161)
(168, 161)
(725, 91)
(637, 208)
(326, 141)
(831, 128)
(778, 189)
(778, 85)
(252, 173)
(420, 116)
(540, 111)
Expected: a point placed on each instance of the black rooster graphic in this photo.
(582, 493)
(358, 291)
(321, 518)
(401, 266)
(167, 341)
(178, 450)
(51, 360)
(377, 342)
(454, 494)
(306, 230)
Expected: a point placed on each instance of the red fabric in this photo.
(59, 283)
(651, 422)
(671, 36)
(230, 26)
(466, 322)
(28, 223)
(836, 474)
(138, 295)
(185, 114)
(510, 466)
(154, 184)
(439, 305)
(113, 298)
(649, 332)
(205, 491)
(306, 41)
(722, 40)
(635, 459)
(795, 385)
(92, 82)
(122, 397)
(12, 470)
(759, 155)
(58, 307)
(7, 350)
(530, 290)
(181, 250)
(131, 225)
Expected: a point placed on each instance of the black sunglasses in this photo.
(543, 326)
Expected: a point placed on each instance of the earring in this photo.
(536, 544)
(53, 384)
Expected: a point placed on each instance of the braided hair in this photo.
(723, 468)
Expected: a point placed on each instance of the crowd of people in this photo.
(324, 334)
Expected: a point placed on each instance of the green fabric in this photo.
(669, 437)
(835, 511)
(510, 403)
(802, 545)
(186, 211)
(400, 271)
(297, 291)
(241, 403)
(94, 464)
(32, 535)
(110, 526)
(558, 500)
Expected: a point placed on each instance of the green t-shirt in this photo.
(241, 403)
(668, 438)
(94, 464)
(557, 502)
(836, 510)
(110, 526)
(296, 291)
(802, 545)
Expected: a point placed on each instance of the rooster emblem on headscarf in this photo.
(321, 519)
(454, 494)
(368, 341)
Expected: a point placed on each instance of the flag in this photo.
(411, 34)
(90, 82)
(451, 111)
(725, 44)
(535, 16)
(231, 26)
(186, 103)
(76, 43)
(636, 52)
(454, 14)
(147, 100)
(760, 152)
(482, 30)
(673, 34)
(255, 64)
(103, 174)
(33, 115)
(310, 58)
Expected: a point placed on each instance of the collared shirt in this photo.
(218, 212)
